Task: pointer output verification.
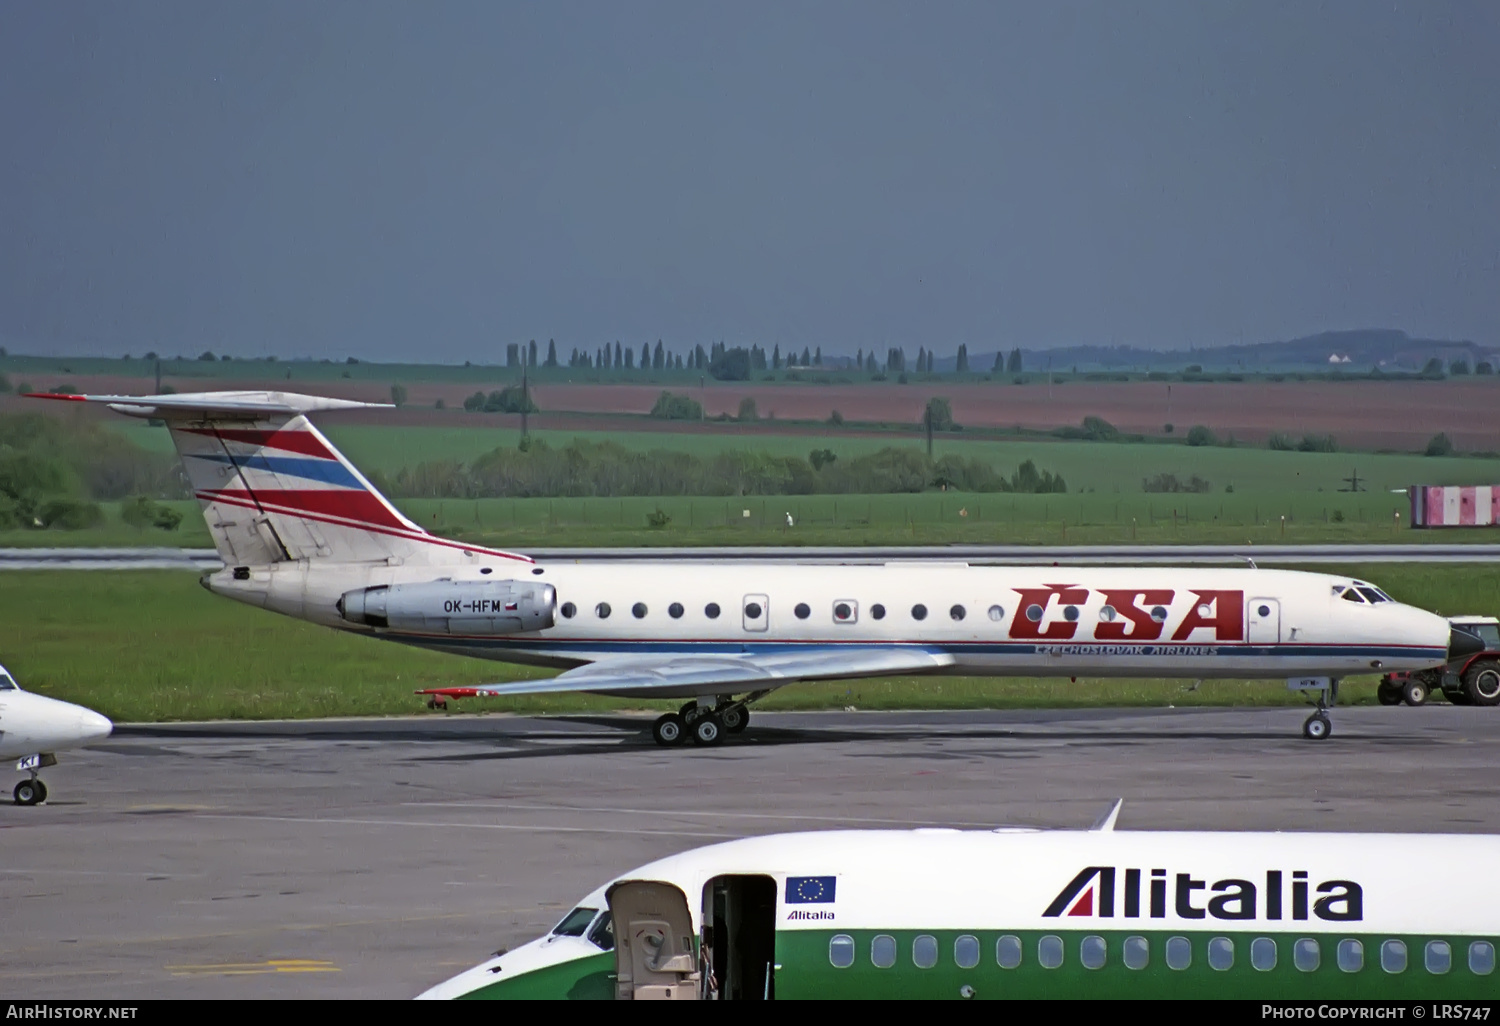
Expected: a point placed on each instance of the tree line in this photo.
(585, 468)
(54, 472)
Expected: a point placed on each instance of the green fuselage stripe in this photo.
(806, 972)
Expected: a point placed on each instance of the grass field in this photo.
(1105, 505)
(153, 646)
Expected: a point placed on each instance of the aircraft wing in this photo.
(721, 672)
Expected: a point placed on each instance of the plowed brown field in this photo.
(1359, 414)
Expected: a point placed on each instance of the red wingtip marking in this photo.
(54, 395)
(449, 692)
(1084, 906)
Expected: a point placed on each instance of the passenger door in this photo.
(654, 953)
(757, 612)
(1265, 621)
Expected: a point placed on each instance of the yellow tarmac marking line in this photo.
(283, 965)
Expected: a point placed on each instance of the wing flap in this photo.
(733, 672)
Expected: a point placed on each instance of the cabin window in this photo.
(1351, 955)
(1259, 611)
(1439, 956)
(675, 610)
(883, 951)
(802, 610)
(1107, 614)
(711, 610)
(877, 611)
(845, 612)
(1008, 952)
(753, 610)
(1137, 952)
(1070, 613)
(1092, 951)
(1220, 953)
(1481, 958)
(924, 951)
(997, 613)
(966, 951)
(638, 610)
(602, 610)
(1179, 952)
(1263, 954)
(1159, 613)
(1034, 613)
(957, 613)
(569, 610)
(1393, 956)
(1049, 951)
(1307, 955)
(841, 951)
(919, 612)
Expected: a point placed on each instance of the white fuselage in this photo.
(1043, 621)
(32, 724)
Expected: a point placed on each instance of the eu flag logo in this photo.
(810, 890)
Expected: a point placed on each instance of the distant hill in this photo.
(1361, 349)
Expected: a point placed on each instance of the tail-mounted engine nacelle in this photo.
(454, 607)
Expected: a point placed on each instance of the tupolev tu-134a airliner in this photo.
(302, 532)
(1015, 913)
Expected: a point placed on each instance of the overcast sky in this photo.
(432, 180)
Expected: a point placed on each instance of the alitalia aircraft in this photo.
(34, 728)
(303, 533)
(1024, 914)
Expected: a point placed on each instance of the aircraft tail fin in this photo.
(273, 488)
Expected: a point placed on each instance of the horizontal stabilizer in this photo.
(214, 405)
(720, 673)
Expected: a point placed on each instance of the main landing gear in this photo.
(702, 723)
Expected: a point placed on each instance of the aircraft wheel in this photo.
(707, 731)
(1317, 727)
(1414, 692)
(668, 730)
(735, 720)
(1482, 683)
(30, 792)
(1388, 694)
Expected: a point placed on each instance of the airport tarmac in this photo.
(373, 858)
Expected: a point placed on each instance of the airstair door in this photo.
(655, 957)
(739, 938)
(757, 610)
(1265, 621)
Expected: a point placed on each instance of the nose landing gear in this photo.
(1319, 725)
(30, 792)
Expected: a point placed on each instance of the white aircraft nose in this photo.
(93, 726)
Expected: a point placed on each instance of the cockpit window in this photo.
(575, 922)
(1371, 595)
(6, 684)
(603, 933)
(1352, 595)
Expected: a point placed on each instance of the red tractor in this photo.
(1473, 679)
